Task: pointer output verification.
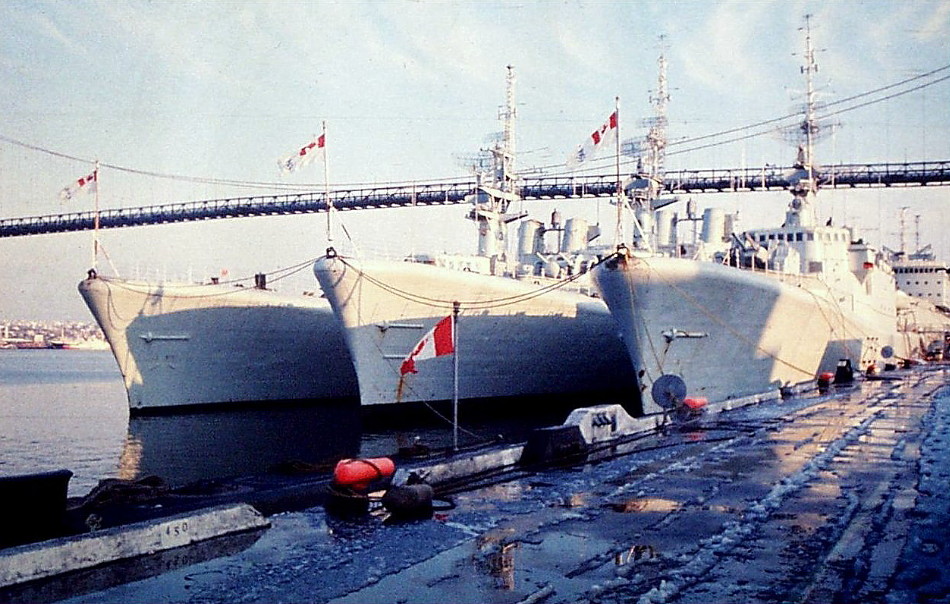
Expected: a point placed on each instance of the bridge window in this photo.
(762, 238)
(781, 236)
(811, 236)
(798, 236)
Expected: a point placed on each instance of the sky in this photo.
(192, 92)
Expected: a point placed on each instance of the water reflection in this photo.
(189, 447)
(220, 444)
(634, 554)
(86, 581)
(61, 409)
(496, 556)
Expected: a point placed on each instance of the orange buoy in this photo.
(359, 473)
(695, 402)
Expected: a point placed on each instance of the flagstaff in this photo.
(455, 375)
(617, 162)
(326, 181)
(95, 228)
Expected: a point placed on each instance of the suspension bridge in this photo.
(768, 178)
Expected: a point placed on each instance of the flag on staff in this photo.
(438, 342)
(600, 138)
(85, 184)
(305, 155)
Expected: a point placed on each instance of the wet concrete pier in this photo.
(824, 497)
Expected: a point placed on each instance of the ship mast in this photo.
(505, 156)
(493, 199)
(903, 248)
(801, 211)
(656, 137)
(648, 185)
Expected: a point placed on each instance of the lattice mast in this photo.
(656, 135)
(801, 211)
(505, 155)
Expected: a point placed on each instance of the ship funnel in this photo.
(575, 235)
(665, 228)
(731, 224)
(645, 220)
(530, 240)
(714, 226)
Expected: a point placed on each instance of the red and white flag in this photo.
(305, 155)
(603, 137)
(86, 184)
(438, 342)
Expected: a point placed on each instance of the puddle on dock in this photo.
(645, 504)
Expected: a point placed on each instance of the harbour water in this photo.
(68, 409)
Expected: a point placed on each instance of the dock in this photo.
(822, 496)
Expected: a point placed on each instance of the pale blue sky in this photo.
(220, 90)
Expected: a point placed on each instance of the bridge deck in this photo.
(454, 192)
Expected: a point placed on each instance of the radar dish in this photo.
(887, 352)
(494, 138)
(632, 148)
(668, 391)
(477, 163)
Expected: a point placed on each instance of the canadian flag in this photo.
(86, 183)
(600, 138)
(305, 155)
(438, 342)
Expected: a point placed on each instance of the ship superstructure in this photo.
(920, 274)
(924, 307)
